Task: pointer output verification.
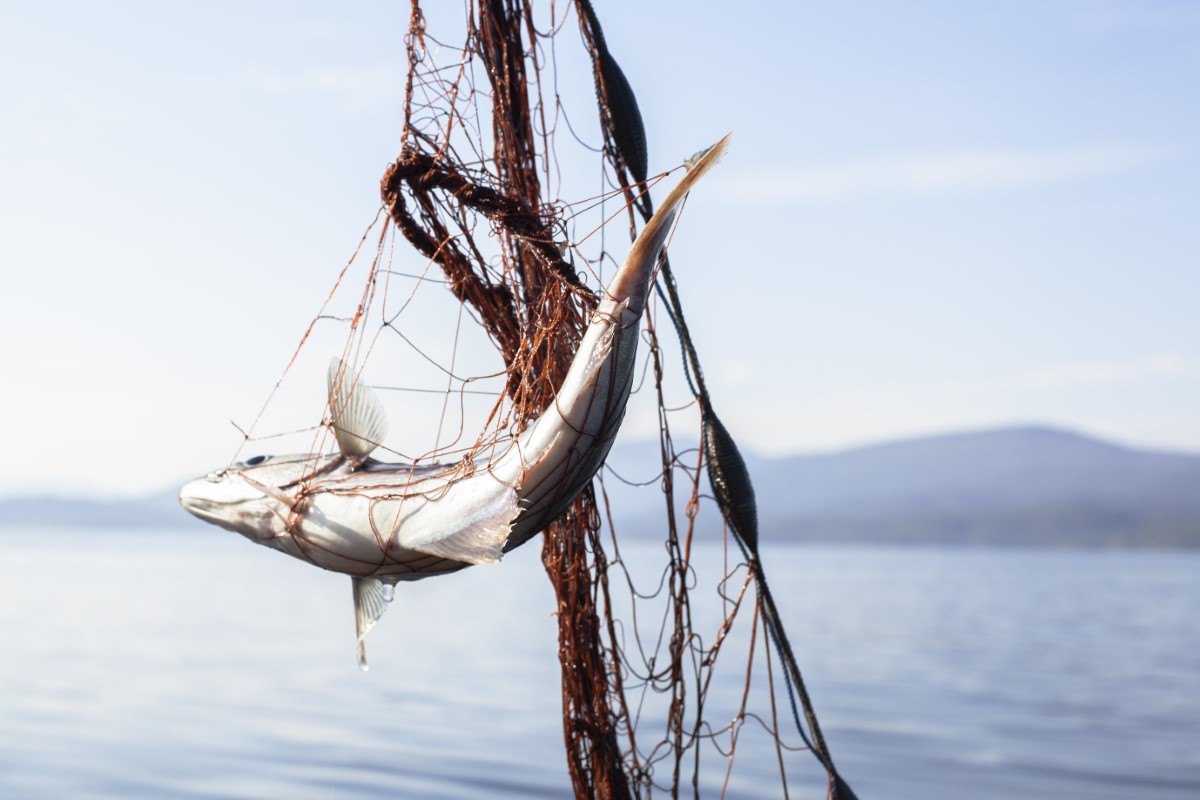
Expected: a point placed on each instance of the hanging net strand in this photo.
(476, 190)
(732, 486)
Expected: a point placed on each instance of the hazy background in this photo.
(935, 215)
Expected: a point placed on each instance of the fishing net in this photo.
(518, 201)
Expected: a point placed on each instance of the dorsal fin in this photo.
(359, 421)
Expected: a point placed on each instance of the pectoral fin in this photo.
(369, 605)
(359, 421)
(474, 533)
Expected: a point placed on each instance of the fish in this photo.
(382, 523)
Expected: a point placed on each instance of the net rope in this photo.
(509, 208)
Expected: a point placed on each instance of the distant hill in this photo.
(1026, 486)
(160, 510)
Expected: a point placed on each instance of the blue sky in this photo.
(935, 216)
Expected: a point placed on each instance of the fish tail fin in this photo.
(632, 280)
(697, 167)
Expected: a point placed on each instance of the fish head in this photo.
(263, 497)
(258, 498)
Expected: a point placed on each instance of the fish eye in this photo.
(254, 462)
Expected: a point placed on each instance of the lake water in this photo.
(193, 664)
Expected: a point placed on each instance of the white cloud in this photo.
(1064, 377)
(1163, 365)
(932, 174)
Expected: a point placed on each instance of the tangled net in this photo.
(488, 152)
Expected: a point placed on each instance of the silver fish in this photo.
(382, 523)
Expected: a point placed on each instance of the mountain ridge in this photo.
(1025, 485)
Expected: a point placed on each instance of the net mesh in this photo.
(509, 210)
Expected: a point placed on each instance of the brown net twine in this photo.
(487, 153)
(533, 306)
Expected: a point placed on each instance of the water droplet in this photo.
(388, 592)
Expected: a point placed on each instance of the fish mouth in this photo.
(198, 502)
(218, 501)
(229, 500)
